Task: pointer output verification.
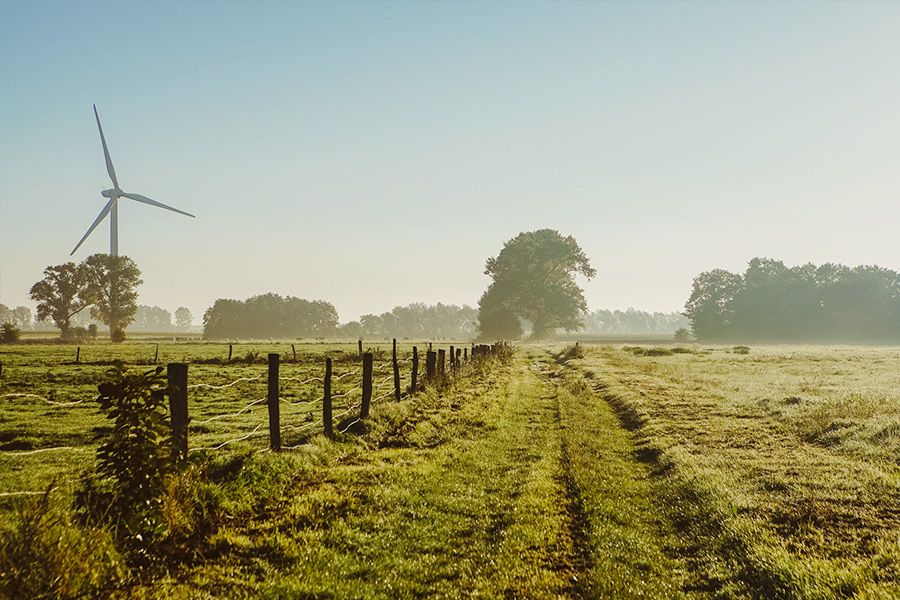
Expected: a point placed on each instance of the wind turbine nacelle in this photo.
(109, 193)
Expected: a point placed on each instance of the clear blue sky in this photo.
(375, 154)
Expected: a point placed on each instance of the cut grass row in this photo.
(770, 509)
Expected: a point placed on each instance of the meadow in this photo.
(597, 471)
(781, 462)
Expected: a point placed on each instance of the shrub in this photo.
(575, 351)
(9, 333)
(92, 331)
(682, 335)
(133, 463)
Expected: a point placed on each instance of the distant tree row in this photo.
(416, 321)
(774, 303)
(19, 317)
(155, 318)
(633, 322)
(269, 315)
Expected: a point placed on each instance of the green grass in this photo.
(597, 472)
(779, 463)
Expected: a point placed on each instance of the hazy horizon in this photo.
(374, 155)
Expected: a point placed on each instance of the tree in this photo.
(111, 285)
(152, 318)
(774, 303)
(496, 321)
(534, 280)
(21, 317)
(9, 333)
(183, 318)
(61, 294)
(269, 315)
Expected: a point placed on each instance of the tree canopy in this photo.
(416, 321)
(112, 287)
(61, 294)
(533, 280)
(269, 315)
(774, 303)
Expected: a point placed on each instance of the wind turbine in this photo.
(112, 207)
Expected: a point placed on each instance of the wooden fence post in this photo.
(430, 360)
(177, 374)
(465, 355)
(156, 355)
(77, 355)
(452, 358)
(396, 372)
(229, 352)
(326, 402)
(429, 346)
(458, 358)
(359, 346)
(366, 386)
(272, 401)
(442, 362)
(294, 352)
(414, 375)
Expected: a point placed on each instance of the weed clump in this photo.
(643, 351)
(46, 555)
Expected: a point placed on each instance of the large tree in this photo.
(112, 286)
(61, 294)
(534, 280)
(183, 318)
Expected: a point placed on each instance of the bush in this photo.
(682, 335)
(92, 331)
(134, 462)
(9, 333)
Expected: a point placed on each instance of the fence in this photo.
(373, 391)
(437, 370)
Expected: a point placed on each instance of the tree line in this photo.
(770, 302)
(19, 317)
(416, 321)
(633, 322)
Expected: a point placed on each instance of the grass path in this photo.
(533, 492)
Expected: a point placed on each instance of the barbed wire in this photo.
(347, 412)
(236, 414)
(222, 387)
(299, 382)
(349, 425)
(40, 450)
(39, 397)
(254, 432)
(341, 395)
(29, 493)
(347, 374)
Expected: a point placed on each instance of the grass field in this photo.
(598, 472)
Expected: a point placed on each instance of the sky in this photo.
(377, 153)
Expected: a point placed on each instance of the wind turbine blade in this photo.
(99, 218)
(147, 200)
(109, 166)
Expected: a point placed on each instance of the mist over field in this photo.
(449, 300)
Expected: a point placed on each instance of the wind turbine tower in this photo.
(112, 206)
